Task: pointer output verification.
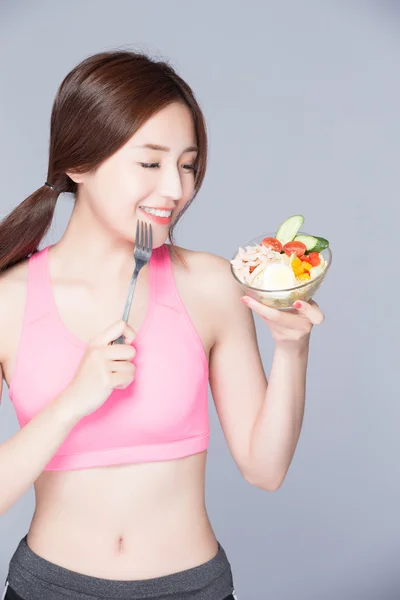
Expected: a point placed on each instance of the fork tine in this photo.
(144, 241)
(137, 235)
(144, 237)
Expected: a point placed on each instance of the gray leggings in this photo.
(31, 577)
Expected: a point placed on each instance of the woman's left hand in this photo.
(288, 326)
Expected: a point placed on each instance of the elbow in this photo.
(263, 481)
(4, 510)
(266, 486)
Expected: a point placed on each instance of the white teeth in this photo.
(157, 212)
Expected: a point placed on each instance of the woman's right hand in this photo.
(103, 368)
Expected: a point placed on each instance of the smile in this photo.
(157, 212)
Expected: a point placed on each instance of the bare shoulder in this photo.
(210, 280)
(212, 272)
(13, 283)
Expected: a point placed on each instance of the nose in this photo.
(171, 185)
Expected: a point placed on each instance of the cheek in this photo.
(106, 195)
(116, 187)
(135, 186)
(187, 190)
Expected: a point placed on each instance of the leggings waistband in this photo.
(35, 578)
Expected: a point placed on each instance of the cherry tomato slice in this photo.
(273, 243)
(314, 259)
(297, 248)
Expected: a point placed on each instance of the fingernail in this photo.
(297, 304)
(245, 300)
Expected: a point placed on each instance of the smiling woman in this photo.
(108, 97)
(115, 436)
(128, 140)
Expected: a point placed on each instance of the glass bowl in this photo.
(284, 299)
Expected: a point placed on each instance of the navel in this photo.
(120, 544)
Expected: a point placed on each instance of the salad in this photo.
(283, 262)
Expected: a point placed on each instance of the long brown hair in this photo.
(100, 104)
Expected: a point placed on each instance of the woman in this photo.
(114, 436)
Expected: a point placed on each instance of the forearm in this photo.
(278, 424)
(24, 456)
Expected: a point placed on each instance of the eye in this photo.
(150, 165)
(189, 168)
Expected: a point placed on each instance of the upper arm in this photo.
(1, 381)
(3, 312)
(8, 308)
(237, 379)
(2, 332)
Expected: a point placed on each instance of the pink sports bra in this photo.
(161, 415)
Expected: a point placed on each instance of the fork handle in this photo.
(128, 304)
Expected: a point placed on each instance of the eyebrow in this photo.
(165, 148)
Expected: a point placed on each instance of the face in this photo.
(150, 178)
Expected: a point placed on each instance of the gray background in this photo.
(302, 101)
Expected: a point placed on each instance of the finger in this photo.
(119, 352)
(122, 367)
(121, 379)
(311, 311)
(285, 318)
(129, 333)
(261, 309)
(113, 332)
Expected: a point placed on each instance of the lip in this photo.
(158, 207)
(154, 218)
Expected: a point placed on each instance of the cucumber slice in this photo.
(312, 243)
(321, 245)
(289, 229)
(308, 240)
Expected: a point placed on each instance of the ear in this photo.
(76, 177)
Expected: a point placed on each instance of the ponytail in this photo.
(24, 228)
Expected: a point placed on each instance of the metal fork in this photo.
(142, 254)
